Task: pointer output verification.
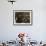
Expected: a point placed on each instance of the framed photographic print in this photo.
(22, 16)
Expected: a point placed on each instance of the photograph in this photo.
(22, 17)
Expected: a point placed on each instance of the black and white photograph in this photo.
(22, 16)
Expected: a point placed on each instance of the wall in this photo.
(37, 31)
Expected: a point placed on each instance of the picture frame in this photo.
(22, 17)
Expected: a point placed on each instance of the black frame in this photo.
(31, 15)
